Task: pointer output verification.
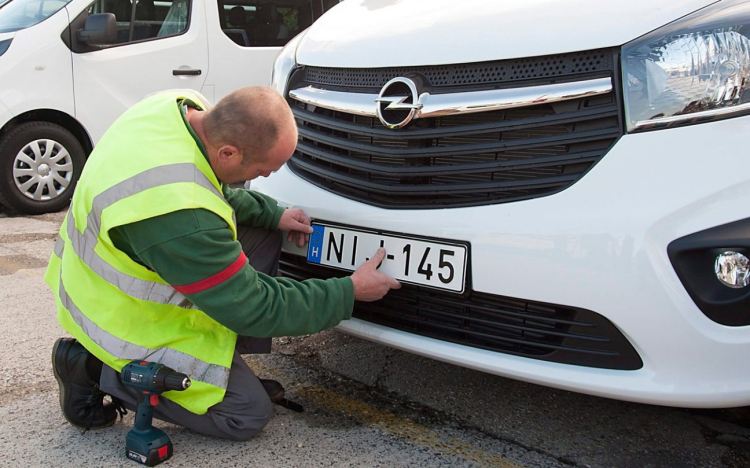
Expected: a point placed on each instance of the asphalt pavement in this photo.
(365, 405)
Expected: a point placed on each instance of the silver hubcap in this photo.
(42, 170)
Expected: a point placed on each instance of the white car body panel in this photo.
(388, 33)
(5, 114)
(231, 66)
(110, 81)
(607, 255)
(36, 73)
(600, 244)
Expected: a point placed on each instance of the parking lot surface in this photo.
(365, 405)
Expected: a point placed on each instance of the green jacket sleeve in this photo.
(253, 208)
(191, 249)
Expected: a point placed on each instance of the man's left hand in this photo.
(297, 223)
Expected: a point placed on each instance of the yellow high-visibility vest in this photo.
(146, 165)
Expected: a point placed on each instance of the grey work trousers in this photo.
(245, 409)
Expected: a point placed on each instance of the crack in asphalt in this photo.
(384, 371)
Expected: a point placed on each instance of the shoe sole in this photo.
(59, 351)
(277, 397)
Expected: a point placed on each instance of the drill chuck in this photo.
(167, 379)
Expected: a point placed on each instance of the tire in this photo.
(40, 163)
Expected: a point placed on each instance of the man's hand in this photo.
(370, 284)
(297, 223)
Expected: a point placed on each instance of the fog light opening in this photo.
(732, 269)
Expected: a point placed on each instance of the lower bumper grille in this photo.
(536, 330)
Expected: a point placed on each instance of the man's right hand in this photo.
(370, 284)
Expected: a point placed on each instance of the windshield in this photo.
(20, 14)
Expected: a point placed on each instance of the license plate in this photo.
(426, 262)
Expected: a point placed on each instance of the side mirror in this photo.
(100, 29)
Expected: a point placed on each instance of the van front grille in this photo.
(463, 159)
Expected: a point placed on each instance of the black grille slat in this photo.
(447, 189)
(435, 151)
(459, 160)
(531, 343)
(551, 321)
(307, 117)
(536, 330)
(465, 168)
(487, 322)
(436, 198)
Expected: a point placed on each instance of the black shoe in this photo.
(274, 390)
(81, 401)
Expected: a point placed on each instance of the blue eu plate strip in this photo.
(315, 248)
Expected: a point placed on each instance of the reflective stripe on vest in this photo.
(84, 243)
(179, 361)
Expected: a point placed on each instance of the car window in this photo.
(268, 22)
(148, 18)
(21, 14)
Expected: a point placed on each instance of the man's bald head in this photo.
(251, 119)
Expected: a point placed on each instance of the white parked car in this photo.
(562, 186)
(69, 68)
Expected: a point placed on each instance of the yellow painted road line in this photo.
(388, 422)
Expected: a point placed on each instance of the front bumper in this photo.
(600, 245)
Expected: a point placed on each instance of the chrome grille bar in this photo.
(436, 105)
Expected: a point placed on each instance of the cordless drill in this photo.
(145, 443)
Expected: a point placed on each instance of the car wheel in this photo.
(40, 163)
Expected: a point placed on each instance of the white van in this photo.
(563, 186)
(69, 68)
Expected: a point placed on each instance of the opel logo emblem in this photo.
(398, 103)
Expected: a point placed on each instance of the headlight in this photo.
(285, 64)
(695, 69)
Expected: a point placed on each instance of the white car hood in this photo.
(389, 33)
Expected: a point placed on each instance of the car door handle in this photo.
(189, 72)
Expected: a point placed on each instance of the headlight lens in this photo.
(695, 69)
(285, 64)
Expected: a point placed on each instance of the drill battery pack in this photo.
(147, 455)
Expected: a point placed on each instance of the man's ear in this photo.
(229, 154)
